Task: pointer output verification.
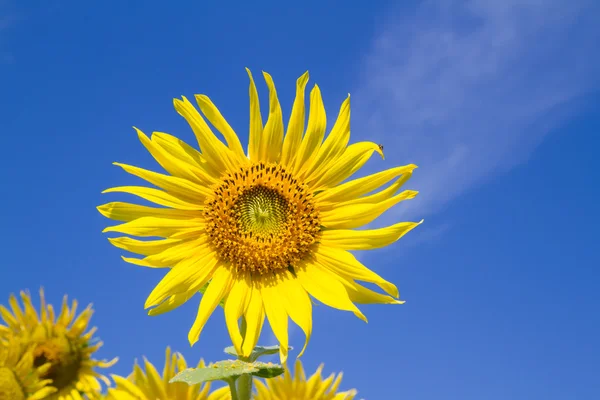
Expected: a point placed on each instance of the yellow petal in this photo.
(172, 303)
(220, 394)
(348, 395)
(287, 376)
(297, 304)
(128, 385)
(138, 374)
(323, 387)
(262, 390)
(256, 125)
(179, 187)
(152, 226)
(213, 114)
(295, 128)
(190, 274)
(63, 318)
(276, 314)
(272, 136)
(173, 165)
(343, 263)
(8, 317)
(357, 188)
(175, 254)
(43, 308)
(361, 295)
(169, 367)
(189, 233)
(45, 392)
(234, 308)
(314, 381)
(156, 196)
(380, 196)
(255, 317)
(315, 131)
(128, 212)
(350, 239)
(154, 380)
(30, 310)
(217, 289)
(336, 142)
(75, 395)
(143, 247)
(325, 287)
(336, 384)
(217, 155)
(299, 374)
(178, 149)
(355, 156)
(356, 215)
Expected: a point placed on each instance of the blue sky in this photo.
(497, 102)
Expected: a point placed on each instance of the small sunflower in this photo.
(267, 228)
(150, 385)
(297, 387)
(20, 379)
(60, 341)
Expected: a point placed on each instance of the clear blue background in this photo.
(501, 303)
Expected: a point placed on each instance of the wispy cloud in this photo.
(466, 89)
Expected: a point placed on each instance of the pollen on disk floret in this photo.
(261, 219)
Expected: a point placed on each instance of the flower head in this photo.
(61, 342)
(151, 385)
(297, 387)
(266, 229)
(20, 379)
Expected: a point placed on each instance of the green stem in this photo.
(245, 381)
(234, 395)
(245, 387)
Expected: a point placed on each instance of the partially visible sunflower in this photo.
(266, 228)
(20, 379)
(297, 387)
(150, 385)
(60, 341)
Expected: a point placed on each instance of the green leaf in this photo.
(231, 351)
(227, 370)
(258, 351)
(221, 370)
(268, 370)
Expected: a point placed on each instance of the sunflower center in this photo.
(64, 358)
(261, 219)
(10, 389)
(261, 211)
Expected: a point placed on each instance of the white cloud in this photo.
(465, 89)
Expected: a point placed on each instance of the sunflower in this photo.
(298, 387)
(150, 385)
(266, 229)
(61, 342)
(20, 379)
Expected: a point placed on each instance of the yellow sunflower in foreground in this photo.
(286, 387)
(150, 385)
(60, 341)
(266, 229)
(20, 379)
